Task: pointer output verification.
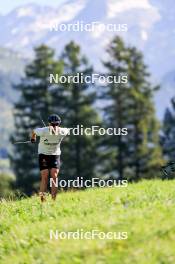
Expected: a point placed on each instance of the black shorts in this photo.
(49, 162)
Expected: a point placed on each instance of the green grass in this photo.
(145, 210)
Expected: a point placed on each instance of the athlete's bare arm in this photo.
(33, 137)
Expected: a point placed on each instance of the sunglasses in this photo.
(54, 124)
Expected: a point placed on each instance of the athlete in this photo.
(49, 153)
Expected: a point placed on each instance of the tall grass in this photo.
(146, 211)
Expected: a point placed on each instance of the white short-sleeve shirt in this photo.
(50, 142)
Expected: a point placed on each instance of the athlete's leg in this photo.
(43, 184)
(54, 174)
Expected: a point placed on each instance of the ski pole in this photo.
(42, 121)
(22, 142)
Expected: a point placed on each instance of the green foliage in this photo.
(76, 104)
(6, 181)
(168, 136)
(73, 102)
(35, 101)
(131, 105)
(145, 210)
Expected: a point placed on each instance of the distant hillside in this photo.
(150, 25)
(11, 70)
(11, 61)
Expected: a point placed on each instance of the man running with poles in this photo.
(49, 153)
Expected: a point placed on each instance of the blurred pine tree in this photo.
(35, 101)
(137, 155)
(168, 129)
(77, 100)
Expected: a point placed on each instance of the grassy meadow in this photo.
(145, 210)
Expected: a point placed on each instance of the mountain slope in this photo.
(11, 70)
(150, 28)
(29, 25)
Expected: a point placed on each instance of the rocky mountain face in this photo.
(150, 27)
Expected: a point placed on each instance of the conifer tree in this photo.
(77, 102)
(138, 154)
(35, 102)
(168, 129)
